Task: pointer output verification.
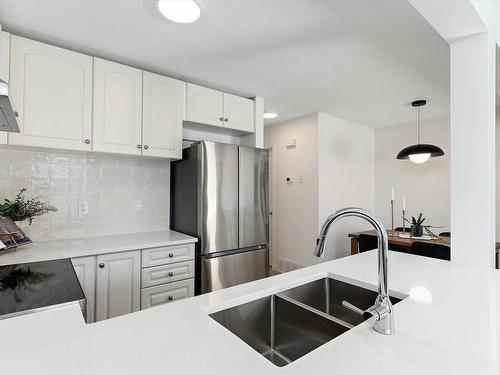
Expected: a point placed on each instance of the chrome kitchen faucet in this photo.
(381, 311)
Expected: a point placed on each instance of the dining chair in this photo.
(431, 250)
(445, 234)
(367, 242)
(400, 229)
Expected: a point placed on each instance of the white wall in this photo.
(295, 208)
(336, 171)
(346, 177)
(497, 156)
(110, 184)
(425, 186)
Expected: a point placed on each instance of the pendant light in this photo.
(420, 152)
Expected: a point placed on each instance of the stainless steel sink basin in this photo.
(278, 329)
(286, 326)
(326, 295)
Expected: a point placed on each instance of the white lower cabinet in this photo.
(85, 271)
(115, 284)
(167, 274)
(118, 284)
(157, 295)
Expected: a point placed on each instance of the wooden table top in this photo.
(406, 242)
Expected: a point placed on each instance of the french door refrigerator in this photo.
(219, 193)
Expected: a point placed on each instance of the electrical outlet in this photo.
(83, 207)
(137, 205)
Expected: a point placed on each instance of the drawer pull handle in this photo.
(171, 255)
(101, 265)
(170, 298)
(170, 274)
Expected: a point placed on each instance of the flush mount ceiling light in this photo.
(269, 115)
(420, 152)
(181, 11)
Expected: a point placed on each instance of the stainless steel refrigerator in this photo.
(219, 193)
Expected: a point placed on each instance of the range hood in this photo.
(8, 122)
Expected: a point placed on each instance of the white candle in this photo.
(404, 203)
(392, 196)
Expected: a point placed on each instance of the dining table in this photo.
(406, 242)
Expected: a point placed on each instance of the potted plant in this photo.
(417, 228)
(22, 210)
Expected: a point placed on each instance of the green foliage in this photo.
(25, 209)
(416, 223)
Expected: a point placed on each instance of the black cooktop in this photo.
(29, 286)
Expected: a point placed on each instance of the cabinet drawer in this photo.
(167, 273)
(167, 254)
(166, 293)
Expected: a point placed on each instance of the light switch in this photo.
(137, 205)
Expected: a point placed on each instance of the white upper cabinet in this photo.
(163, 105)
(4, 69)
(204, 105)
(117, 108)
(239, 113)
(212, 107)
(51, 89)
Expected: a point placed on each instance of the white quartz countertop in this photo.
(449, 324)
(77, 247)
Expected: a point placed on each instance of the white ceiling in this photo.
(362, 60)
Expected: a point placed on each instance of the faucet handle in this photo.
(382, 314)
(364, 313)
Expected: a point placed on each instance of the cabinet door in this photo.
(85, 271)
(117, 108)
(118, 284)
(51, 89)
(4, 69)
(239, 113)
(204, 105)
(163, 103)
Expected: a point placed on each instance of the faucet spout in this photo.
(382, 309)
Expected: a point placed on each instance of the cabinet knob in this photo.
(87, 141)
(146, 147)
(170, 298)
(171, 255)
(221, 118)
(226, 120)
(170, 274)
(139, 146)
(101, 265)
(16, 113)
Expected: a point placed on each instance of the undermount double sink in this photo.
(285, 326)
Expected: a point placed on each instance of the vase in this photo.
(419, 231)
(24, 225)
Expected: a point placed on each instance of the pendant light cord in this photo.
(418, 125)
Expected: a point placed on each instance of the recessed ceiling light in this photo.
(268, 115)
(181, 11)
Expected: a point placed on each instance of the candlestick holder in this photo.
(404, 221)
(392, 217)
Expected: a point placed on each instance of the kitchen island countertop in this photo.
(449, 324)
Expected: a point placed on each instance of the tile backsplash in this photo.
(113, 186)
